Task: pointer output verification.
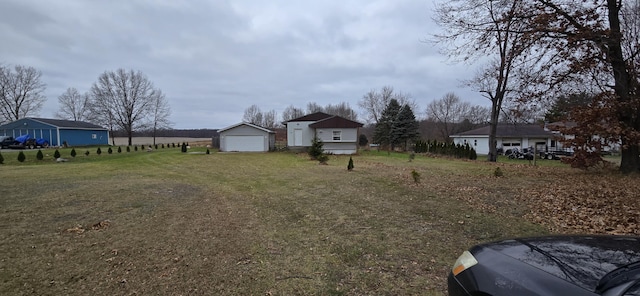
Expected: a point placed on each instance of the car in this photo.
(6, 141)
(549, 265)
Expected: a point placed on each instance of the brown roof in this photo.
(336, 122)
(312, 117)
(510, 130)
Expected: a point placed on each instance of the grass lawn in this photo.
(172, 223)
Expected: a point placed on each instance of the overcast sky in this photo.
(213, 59)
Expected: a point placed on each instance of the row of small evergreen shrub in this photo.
(445, 148)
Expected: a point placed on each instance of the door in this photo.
(297, 137)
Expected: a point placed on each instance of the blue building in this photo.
(58, 131)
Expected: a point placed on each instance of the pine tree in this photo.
(316, 149)
(86, 153)
(119, 149)
(350, 165)
(384, 127)
(21, 157)
(184, 147)
(110, 150)
(73, 152)
(56, 154)
(405, 127)
(1, 159)
(128, 149)
(39, 155)
(98, 151)
(208, 151)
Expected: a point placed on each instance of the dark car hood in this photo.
(582, 260)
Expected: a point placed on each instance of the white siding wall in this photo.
(307, 133)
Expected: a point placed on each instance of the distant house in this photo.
(246, 137)
(509, 136)
(57, 131)
(338, 134)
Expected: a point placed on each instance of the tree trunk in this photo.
(493, 128)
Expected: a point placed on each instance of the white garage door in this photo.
(244, 143)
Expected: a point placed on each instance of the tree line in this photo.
(121, 100)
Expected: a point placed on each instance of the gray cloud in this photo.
(213, 59)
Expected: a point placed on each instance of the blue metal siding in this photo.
(75, 137)
(39, 130)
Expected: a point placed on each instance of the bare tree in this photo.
(343, 110)
(313, 107)
(478, 115)
(124, 100)
(270, 119)
(291, 112)
(447, 113)
(74, 105)
(160, 112)
(253, 115)
(374, 103)
(20, 92)
(493, 29)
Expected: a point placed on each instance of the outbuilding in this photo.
(246, 137)
(57, 132)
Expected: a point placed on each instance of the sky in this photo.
(214, 58)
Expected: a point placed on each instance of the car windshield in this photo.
(581, 260)
(619, 276)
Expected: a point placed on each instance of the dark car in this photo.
(6, 141)
(555, 265)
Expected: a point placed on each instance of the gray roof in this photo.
(68, 123)
(247, 124)
(510, 130)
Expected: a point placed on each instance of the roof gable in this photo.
(510, 130)
(247, 124)
(312, 117)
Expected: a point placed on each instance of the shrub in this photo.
(162, 146)
(208, 151)
(21, 157)
(1, 159)
(141, 147)
(119, 149)
(86, 153)
(323, 158)
(156, 146)
(174, 145)
(99, 151)
(135, 148)
(416, 176)
(184, 147)
(110, 150)
(128, 149)
(350, 165)
(498, 172)
(315, 150)
(56, 154)
(39, 156)
(73, 152)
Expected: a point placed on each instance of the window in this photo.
(337, 135)
(94, 136)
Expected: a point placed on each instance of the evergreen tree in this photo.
(350, 165)
(362, 140)
(119, 149)
(384, 127)
(135, 148)
(128, 149)
(1, 159)
(98, 151)
(184, 147)
(56, 154)
(405, 127)
(208, 151)
(21, 156)
(39, 155)
(73, 152)
(86, 153)
(316, 149)
(110, 150)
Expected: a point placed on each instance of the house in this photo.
(246, 137)
(509, 136)
(338, 134)
(57, 131)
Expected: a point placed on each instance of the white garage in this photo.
(246, 137)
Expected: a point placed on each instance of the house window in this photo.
(94, 136)
(553, 143)
(337, 135)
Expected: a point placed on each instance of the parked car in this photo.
(6, 141)
(554, 265)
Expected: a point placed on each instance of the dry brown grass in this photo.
(172, 223)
